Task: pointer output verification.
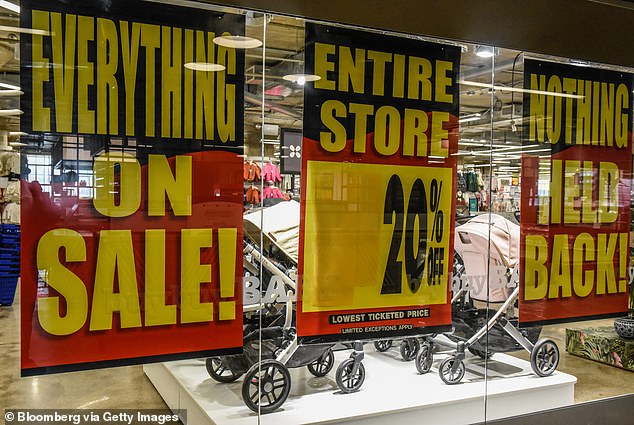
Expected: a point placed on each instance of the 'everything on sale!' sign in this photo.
(377, 203)
(134, 252)
(575, 202)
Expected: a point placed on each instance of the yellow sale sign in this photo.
(359, 253)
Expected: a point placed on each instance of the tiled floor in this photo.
(127, 387)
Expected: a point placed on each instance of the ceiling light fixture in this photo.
(18, 144)
(17, 133)
(519, 90)
(9, 86)
(8, 5)
(237, 42)
(205, 66)
(11, 93)
(301, 79)
(24, 30)
(10, 112)
(468, 119)
(485, 51)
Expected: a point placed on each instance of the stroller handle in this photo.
(289, 310)
(250, 249)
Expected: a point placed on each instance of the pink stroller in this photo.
(485, 268)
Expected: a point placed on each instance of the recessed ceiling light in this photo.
(237, 41)
(205, 66)
(301, 79)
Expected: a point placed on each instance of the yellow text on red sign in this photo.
(116, 256)
(569, 257)
(578, 111)
(580, 192)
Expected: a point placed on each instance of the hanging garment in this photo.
(462, 182)
(253, 195)
(12, 192)
(272, 192)
(472, 182)
(271, 173)
(251, 171)
(11, 213)
(9, 163)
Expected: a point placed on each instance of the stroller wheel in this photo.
(266, 385)
(347, 380)
(323, 364)
(219, 370)
(383, 345)
(424, 358)
(448, 375)
(544, 357)
(409, 349)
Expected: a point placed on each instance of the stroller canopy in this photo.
(280, 226)
(474, 240)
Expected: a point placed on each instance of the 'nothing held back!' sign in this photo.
(575, 202)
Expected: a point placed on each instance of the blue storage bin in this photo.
(7, 289)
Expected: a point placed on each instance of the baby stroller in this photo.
(270, 344)
(484, 331)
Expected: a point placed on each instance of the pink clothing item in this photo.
(272, 192)
(271, 173)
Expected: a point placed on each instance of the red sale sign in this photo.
(161, 281)
(378, 165)
(575, 220)
(134, 253)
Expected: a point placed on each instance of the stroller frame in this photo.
(544, 355)
(267, 381)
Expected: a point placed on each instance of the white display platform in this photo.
(393, 391)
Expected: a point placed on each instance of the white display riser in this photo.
(393, 392)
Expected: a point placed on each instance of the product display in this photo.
(270, 172)
(269, 331)
(485, 269)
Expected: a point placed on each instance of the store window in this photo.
(40, 170)
(429, 226)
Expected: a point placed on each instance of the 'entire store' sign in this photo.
(376, 239)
